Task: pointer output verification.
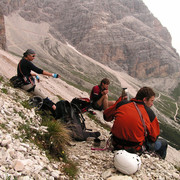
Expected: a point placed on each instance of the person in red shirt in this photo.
(136, 126)
(99, 96)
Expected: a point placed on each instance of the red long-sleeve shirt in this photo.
(128, 125)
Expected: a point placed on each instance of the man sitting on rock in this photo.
(99, 96)
(26, 70)
(136, 127)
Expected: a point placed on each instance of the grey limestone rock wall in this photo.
(2, 32)
(122, 34)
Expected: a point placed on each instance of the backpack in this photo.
(17, 81)
(82, 103)
(71, 115)
(67, 113)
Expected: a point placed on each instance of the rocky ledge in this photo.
(25, 161)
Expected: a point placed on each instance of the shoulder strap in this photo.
(142, 120)
(20, 68)
(26, 78)
(79, 113)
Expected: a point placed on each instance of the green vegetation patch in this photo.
(76, 85)
(4, 90)
(176, 92)
(53, 140)
(70, 168)
(178, 168)
(26, 132)
(178, 114)
(166, 105)
(3, 126)
(26, 104)
(171, 134)
(1, 79)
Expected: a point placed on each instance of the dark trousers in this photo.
(159, 146)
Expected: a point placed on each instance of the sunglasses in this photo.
(32, 55)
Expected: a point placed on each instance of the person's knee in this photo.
(163, 143)
(29, 87)
(161, 147)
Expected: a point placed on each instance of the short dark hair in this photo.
(29, 51)
(145, 92)
(105, 81)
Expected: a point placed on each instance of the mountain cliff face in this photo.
(121, 34)
(2, 31)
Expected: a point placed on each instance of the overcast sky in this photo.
(168, 13)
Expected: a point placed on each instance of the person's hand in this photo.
(105, 92)
(125, 98)
(37, 78)
(55, 75)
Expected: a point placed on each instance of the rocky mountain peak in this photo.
(121, 34)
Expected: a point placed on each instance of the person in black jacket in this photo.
(25, 68)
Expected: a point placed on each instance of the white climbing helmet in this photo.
(126, 163)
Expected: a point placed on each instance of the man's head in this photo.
(29, 54)
(147, 95)
(105, 83)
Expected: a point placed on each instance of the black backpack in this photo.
(82, 103)
(71, 115)
(68, 113)
(17, 81)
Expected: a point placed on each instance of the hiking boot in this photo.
(97, 142)
(97, 134)
(92, 134)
